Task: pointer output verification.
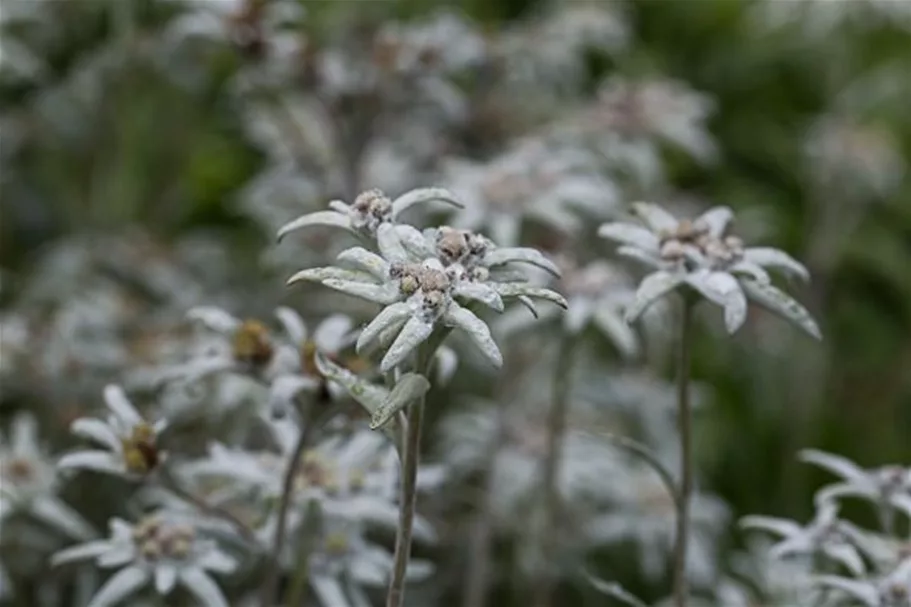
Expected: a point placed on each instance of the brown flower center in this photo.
(251, 345)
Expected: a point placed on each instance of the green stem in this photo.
(556, 430)
(411, 451)
(684, 413)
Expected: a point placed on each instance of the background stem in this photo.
(273, 566)
(684, 413)
(556, 429)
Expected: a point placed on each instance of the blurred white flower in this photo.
(554, 185)
(700, 255)
(826, 535)
(155, 551)
(130, 442)
(29, 482)
(887, 487)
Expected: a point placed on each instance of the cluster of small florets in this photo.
(719, 251)
(156, 539)
(370, 209)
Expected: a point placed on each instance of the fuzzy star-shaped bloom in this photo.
(369, 212)
(888, 486)
(826, 535)
(29, 483)
(130, 442)
(283, 361)
(418, 298)
(700, 255)
(158, 551)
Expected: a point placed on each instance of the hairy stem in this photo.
(273, 566)
(410, 455)
(684, 414)
(556, 430)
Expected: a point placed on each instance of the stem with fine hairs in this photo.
(556, 431)
(684, 416)
(410, 456)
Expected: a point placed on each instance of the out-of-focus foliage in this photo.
(150, 149)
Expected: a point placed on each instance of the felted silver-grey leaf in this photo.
(779, 302)
(652, 288)
(409, 387)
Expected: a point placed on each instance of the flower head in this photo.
(159, 549)
(370, 210)
(702, 255)
(131, 442)
(29, 483)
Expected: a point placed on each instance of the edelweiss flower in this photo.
(131, 442)
(700, 255)
(344, 561)
(28, 482)
(284, 363)
(888, 486)
(825, 535)
(890, 590)
(370, 211)
(597, 293)
(548, 184)
(156, 550)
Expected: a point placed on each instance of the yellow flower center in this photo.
(252, 345)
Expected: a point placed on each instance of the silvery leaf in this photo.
(716, 220)
(504, 255)
(615, 591)
(202, 587)
(389, 316)
(368, 395)
(391, 248)
(724, 290)
(55, 513)
(847, 555)
(339, 206)
(754, 271)
(477, 330)
(779, 526)
(652, 288)
(329, 591)
(415, 332)
(382, 294)
(527, 301)
(772, 298)
(293, 324)
(524, 289)
(774, 258)
(414, 241)
(319, 218)
(478, 291)
(81, 552)
(862, 591)
(214, 319)
(617, 330)
(835, 464)
(421, 195)
(165, 578)
(329, 273)
(637, 254)
(408, 388)
(367, 261)
(100, 461)
(630, 235)
(124, 583)
(656, 218)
